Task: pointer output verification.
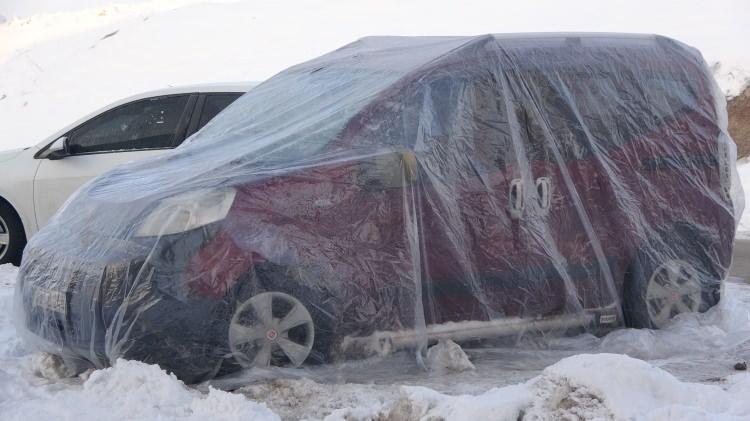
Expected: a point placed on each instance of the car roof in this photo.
(377, 93)
(229, 87)
(199, 88)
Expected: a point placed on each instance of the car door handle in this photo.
(544, 193)
(516, 198)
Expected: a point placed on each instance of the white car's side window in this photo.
(147, 124)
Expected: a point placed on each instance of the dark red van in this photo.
(397, 191)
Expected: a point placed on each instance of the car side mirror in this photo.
(58, 150)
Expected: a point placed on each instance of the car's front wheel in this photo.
(12, 236)
(271, 328)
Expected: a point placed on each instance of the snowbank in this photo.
(743, 170)
(129, 390)
(133, 390)
(601, 386)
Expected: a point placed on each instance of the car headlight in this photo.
(187, 211)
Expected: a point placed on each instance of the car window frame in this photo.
(201, 102)
(182, 126)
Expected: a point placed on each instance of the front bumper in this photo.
(70, 307)
(124, 302)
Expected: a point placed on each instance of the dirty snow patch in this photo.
(133, 390)
(600, 386)
(447, 356)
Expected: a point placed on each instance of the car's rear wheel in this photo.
(271, 328)
(12, 236)
(681, 273)
(657, 292)
(673, 287)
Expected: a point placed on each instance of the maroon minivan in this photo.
(398, 191)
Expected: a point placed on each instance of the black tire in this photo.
(690, 252)
(11, 224)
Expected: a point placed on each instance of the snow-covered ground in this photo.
(684, 372)
(59, 62)
(743, 170)
(56, 66)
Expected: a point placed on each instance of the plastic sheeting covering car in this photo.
(398, 191)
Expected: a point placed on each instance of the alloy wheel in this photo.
(271, 328)
(674, 288)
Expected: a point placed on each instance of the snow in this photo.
(128, 390)
(447, 356)
(565, 378)
(743, 170)
(65, 63)
(58, 62)
(732, 81)
(585, 386)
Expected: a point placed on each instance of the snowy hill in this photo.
(59, 65)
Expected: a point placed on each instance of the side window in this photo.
(213, 105)
(146, 124)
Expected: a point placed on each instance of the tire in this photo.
(271, 278)
(12, 236)
(688, 283)
(318, 302)
(281, 325)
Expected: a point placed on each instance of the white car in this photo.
(36, 181)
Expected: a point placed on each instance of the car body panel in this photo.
(17, 186)
(57, 180)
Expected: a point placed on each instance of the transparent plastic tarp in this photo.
(398, 191)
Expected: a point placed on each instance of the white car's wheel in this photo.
(4, 238)
(12, 236)
(271, 328)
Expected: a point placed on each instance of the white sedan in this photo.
(36, 181)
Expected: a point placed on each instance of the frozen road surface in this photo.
(685, 371)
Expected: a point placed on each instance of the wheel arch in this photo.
(26, 226)
(680, 239)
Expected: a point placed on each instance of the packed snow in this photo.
(128, 390)
(685, 372)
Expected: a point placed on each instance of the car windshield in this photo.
(292, 135)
